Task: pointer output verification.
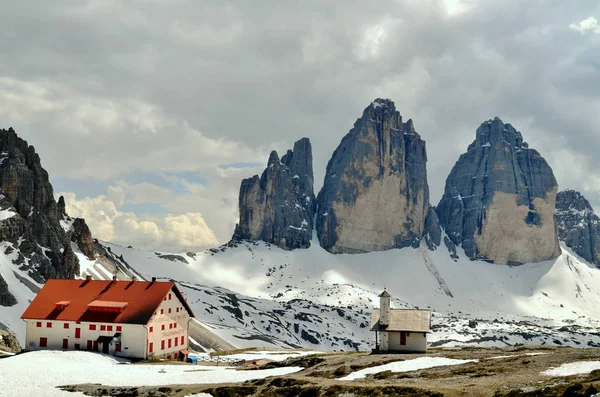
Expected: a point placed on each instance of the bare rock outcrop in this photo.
(499, 199)
(578, 225)
(31, 220)
(375, 195)
(279, 206)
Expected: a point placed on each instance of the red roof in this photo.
(98, 303)
(142, 298)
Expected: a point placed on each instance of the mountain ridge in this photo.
(253, 293)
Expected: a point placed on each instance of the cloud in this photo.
(110, 92)
(582, 27)
(187, 231)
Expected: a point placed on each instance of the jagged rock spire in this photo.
(279, 206)
(375, 194)
(578, 225)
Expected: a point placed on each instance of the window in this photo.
(182, 341)
(103, 328)
(118, 347)
(150, 347)
(177, 310)
(119, 328)
(169, 343)
(48, 325)
(38, 324)
(77, 332)
(170, 326)
(43, 342)
(165, 298)
(174, 325)
(78, 322)
(169, 296)
(169, 310)
(176, 341)
(66, 325)
(151, 329)
(92, 327)
(162, 311)
(109, 327)
(162, 327)
(162, 345)
(65, 343)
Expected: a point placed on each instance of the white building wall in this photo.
(133, 337)
(415, 342)
(170, 322)
(384, 341)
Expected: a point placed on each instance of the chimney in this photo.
(88, 278)
(114, 278)
(384, 308)
(153, 279)
(133, 278)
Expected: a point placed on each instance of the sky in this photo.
(148, 113)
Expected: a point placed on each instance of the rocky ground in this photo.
(8, 343)
(509, 372)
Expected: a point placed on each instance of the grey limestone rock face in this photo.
(34, 227)
(578, 225)
(279, 207)
(375, 195)
(499, 199)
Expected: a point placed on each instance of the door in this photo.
(65, 343)
(43, 342)
(403, 338)
(105, 347)
(95, 345)
(89, 345)
(77, 333)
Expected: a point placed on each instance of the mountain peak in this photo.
(499, 199)
(273, 159)
(278, 207)
(578, 225)
(375, 195)
(495, 132)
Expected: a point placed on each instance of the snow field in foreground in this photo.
(407, 366)
(576, 368)
(38, 373)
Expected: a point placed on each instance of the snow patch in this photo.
(6, 214)
(44, 370)
(407, 366)
(576, 368)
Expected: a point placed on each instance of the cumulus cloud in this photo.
(589, 24)
(187, 231)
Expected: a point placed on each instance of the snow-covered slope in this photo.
(314, 299)
(254, 294)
